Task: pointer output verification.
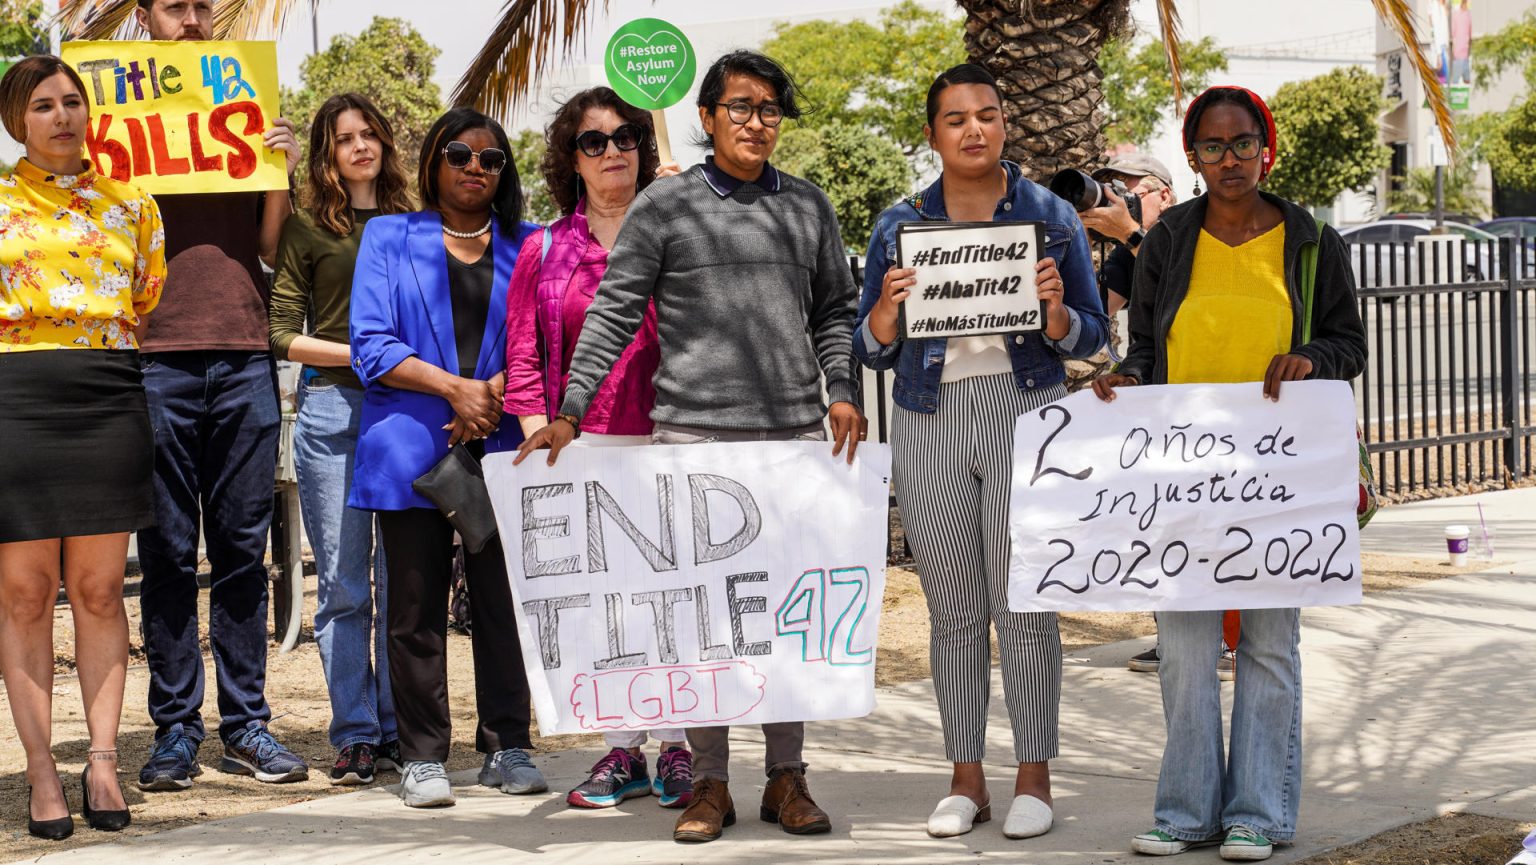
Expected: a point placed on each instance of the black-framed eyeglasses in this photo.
(1212, 152)
(458, 155)
(740, 112)
(593, 143)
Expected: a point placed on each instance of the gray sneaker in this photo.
(512, 771)
(424, 784)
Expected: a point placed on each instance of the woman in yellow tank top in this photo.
(1216, 298)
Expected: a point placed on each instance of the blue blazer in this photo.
(400, 309)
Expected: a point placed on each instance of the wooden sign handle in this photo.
(663, 143)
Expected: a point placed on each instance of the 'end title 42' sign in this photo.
(178, 117)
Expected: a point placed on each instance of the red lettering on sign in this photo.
(99, 146)
(639, 699)
(242, 162)
(139, 146)
(200, 160)
(164, 163)
(673, 689)
(650, 707)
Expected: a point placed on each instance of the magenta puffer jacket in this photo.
(546, 305)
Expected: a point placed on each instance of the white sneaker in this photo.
(955, 815)
(1028, 817)
(424, 784)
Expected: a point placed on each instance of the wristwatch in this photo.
(1135, 239)
(573, 420)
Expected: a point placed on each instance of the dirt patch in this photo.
(301, 714)
(1456, 839)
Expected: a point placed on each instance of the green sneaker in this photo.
(1245, 845)
(1159, 843)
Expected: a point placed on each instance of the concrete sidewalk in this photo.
(1417, 703)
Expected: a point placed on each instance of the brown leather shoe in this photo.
(710, 810)
(787, 802)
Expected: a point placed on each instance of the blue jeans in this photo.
(349, 624)
(215, 420)
(1204, 789)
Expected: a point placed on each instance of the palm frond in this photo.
(1169, 24)
(94, 19)
(521, 43)
(1398, 15)
(253, 18)
(232, 19)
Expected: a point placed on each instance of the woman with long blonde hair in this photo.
(354, 175)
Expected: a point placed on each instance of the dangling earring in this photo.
(1197, 186)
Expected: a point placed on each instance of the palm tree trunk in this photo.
(1044, 54)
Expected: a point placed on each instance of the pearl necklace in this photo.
(466, 235)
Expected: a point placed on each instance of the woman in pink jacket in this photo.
(600, 152)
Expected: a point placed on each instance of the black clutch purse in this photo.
(457, 486)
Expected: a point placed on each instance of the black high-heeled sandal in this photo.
(50, 830)
(103, 821)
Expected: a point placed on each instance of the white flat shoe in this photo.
(1027, 818)
(955, 815)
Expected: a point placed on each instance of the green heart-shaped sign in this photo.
(650, 64)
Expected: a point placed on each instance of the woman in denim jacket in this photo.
(952, 447)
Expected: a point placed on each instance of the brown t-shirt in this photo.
(215, 292)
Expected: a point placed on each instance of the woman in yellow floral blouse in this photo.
(82, 260)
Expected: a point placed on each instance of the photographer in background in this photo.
(1148, 180)
(1145, 182)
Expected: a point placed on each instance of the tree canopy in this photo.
(1138, 88)
(527, 153)
(1507, 139)
(390, 63)
(871, 75)
(1328, 138)
(1416, 191)
(20, 34)
(860, 170)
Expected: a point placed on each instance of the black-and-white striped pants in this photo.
(951, 470)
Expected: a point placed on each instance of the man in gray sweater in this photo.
(755, 307)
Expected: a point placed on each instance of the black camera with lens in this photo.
(1080, 190)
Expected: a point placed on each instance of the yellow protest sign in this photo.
(176, 117)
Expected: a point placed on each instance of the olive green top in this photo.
(314, 284)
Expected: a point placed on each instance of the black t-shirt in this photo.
(470, 287)
(1117, 270)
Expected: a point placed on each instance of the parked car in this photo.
(1512, 226)
(1401, 234)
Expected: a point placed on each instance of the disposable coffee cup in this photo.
(1456, 544)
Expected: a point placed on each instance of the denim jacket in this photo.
(919, 363)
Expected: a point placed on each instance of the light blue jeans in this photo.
(1205, 789)
(349, 624)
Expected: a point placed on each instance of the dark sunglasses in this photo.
(458, 154)
(594, 143)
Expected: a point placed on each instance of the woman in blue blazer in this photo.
(428, 330)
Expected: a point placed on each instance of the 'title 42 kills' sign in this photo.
(177, 117)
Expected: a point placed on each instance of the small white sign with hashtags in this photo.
(973, 278)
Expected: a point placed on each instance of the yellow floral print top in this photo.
(82, 258)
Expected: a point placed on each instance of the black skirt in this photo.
(76, 450)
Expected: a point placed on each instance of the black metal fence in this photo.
(1445, 402)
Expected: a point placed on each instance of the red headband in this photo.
(1268, 157)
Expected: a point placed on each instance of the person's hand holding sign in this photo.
(849, 427)
(283, 137)
(1049, 287)
(884, 318)
(1284, 367)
